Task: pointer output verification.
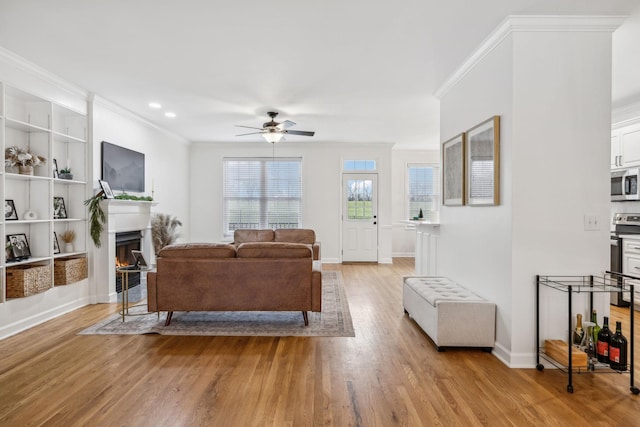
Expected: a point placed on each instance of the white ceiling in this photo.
(351, 70)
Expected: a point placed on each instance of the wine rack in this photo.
(585, 284)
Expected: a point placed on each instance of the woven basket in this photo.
(26, 280)
(69, 270)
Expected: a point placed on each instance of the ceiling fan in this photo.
(274, 131)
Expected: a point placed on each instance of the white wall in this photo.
(167, 174)
(404, 235)
(552, 90)
(321, 181)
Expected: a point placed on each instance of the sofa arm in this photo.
(316, 250)
(152, 291)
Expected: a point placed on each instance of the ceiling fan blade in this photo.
(250, 133)
(248, 127)
(286, 124)
(299, 132)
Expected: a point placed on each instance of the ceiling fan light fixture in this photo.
(272, 136)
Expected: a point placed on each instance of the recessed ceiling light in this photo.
(155, 105)
(170, 114)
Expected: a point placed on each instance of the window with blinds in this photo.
(423, 190)
(261, 193)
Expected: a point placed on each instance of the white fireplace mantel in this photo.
(121, 216)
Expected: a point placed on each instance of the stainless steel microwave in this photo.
(624, 185)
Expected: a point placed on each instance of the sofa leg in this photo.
(306, 318)
(169, 315)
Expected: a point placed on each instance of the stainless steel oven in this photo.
(626, 224)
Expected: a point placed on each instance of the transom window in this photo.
(423, 190)
(358, 165)
(261, 193)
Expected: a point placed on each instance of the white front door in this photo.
(359, 217)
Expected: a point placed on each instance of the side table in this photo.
(125, 285)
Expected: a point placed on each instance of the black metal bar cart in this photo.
(585, 284)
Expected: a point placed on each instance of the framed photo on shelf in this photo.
(106, 189)
(453, 171)
(59, 210)
(483, 163)
(56, 246)
(17, 247)
(10, 213)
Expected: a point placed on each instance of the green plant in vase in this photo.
(65, 173)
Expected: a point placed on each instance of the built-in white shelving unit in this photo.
(53, 131)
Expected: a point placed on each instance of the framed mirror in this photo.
(483, 163)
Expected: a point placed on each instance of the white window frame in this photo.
(436, 197)
(262, 196)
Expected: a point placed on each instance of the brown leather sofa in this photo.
(244, 276)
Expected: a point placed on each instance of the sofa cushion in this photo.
(198, 250)
(243, 236)
(295, 235)
(273, 250)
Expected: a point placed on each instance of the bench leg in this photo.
(169, 315)
(306, 318)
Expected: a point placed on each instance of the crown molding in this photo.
(39, 72)
(626, 115)
(529, 23)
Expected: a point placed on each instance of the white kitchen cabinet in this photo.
(631, 261)
(625, 146)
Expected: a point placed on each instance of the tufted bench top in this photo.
(435, 289)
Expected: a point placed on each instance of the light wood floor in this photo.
(389, 374)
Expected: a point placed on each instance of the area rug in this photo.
(333, 321)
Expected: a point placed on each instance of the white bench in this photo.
(451, 315)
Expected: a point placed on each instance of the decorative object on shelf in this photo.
(16, 156)
(125, 196)
(10, 213)
(69, 270)
(30, 215)
(26, 280)
(482, 163)
(97, 218)
(68, 237)
(59, 209)
(420, 214)
(453, 171)
(18, 247)
(164, 230)
(65, 173)
(56, 245)
(56, 174)
(106, 189)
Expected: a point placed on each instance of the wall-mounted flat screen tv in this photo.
(122, 168)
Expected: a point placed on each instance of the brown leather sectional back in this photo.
(250, 276)
(285, 235)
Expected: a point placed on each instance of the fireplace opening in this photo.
(125, 243)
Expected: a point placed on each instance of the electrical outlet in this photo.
(591, 222)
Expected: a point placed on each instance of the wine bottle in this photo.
(590, 347)
(602, 345)
(596, 328)
(618, 350)
(578, 332)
